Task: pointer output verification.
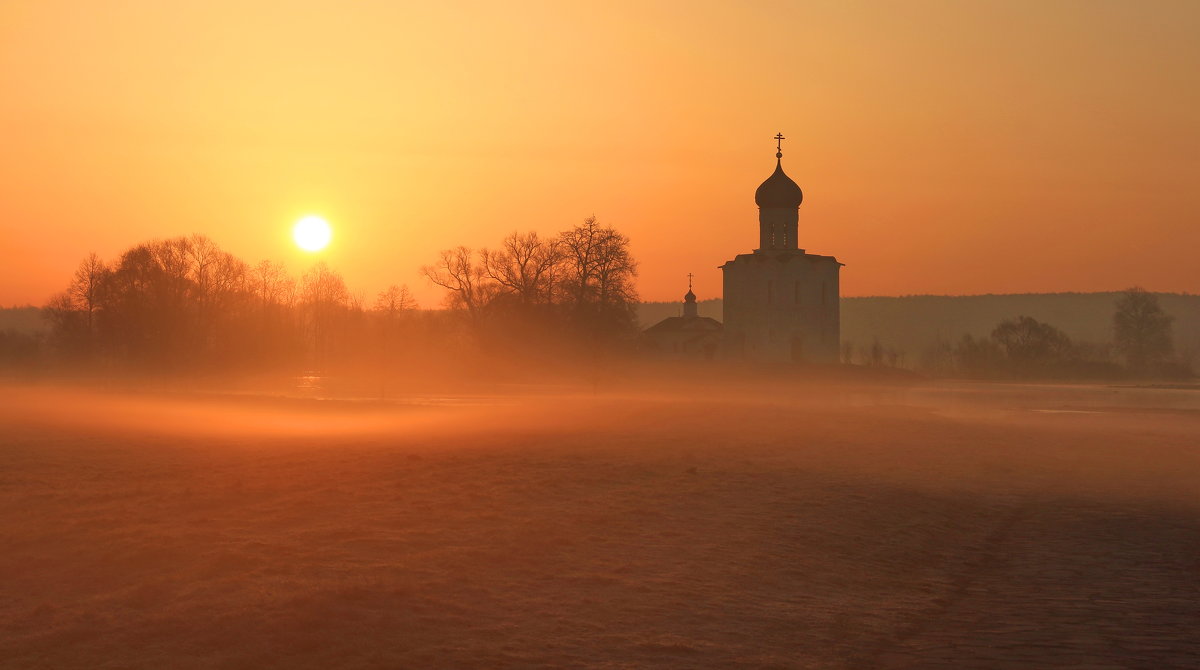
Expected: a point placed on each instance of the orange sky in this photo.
(943, 147)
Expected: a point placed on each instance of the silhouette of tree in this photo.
(979, 358)
(85, 287)
(457, 272)
(272, 285)
(1026, 347)
(325, 297)
(525, 266)
(394, 300)
(1141, 330)
(599, 273)
(1027, 342)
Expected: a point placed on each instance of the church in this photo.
(780, 302)
(686, 336)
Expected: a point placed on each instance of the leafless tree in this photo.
(598, 274)
(581, 246)
(84, 290)
(1141, 329)
(394, 300)
(270, 283)
(325, 296)
(457, 272)
(524, 266)
(323, 288)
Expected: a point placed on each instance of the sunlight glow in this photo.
(312, 233)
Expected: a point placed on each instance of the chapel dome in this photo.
(778, 191)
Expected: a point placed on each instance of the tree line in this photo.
(579, 283)
(184, 303)
(1025, 348)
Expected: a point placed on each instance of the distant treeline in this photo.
(953, 335)
(184, 304)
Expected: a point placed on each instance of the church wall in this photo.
(782, 306)
(680, 345)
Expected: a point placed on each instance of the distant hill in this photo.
(914, 324)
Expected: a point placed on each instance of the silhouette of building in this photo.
(687, 336)
(781, 303)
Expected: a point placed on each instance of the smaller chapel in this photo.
(683, 337)
(780, 302)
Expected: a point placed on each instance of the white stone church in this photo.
(780, 302)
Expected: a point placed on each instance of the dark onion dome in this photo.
(689, 296)
(778, 191)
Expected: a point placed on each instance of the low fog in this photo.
(649, 519)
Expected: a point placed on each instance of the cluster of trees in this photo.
(1027, 348)
(579, 283)
(184, 303)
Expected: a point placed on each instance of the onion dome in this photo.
(690, 309)
(778, 191)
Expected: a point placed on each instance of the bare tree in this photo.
(524, 266)
(1141, 329)
(325, 296)
(598, 274)
(1029, 343)
(394, 300)
(581, 246)
(270, 283)
(64, 315)
(615, 270)
(457, 272)
(390, 304)
(84, 290)
(323, 288)
(202, 254)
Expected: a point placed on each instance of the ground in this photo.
(814, 526)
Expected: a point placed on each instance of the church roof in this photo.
(778, 191)
(779, 256)
(676, 324)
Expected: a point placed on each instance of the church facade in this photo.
(689, 336)
(780, 302)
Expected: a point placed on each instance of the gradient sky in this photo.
(943, 147)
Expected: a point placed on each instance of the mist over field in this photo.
(657, 521)
(605, 336)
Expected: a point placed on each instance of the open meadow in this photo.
(708, 526)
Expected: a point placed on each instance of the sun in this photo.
(312, 233)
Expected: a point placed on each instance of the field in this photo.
(719, 526)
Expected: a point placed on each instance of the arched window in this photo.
(796, 293)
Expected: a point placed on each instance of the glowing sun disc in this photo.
(312, 233)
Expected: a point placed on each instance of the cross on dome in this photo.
(778, 191)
